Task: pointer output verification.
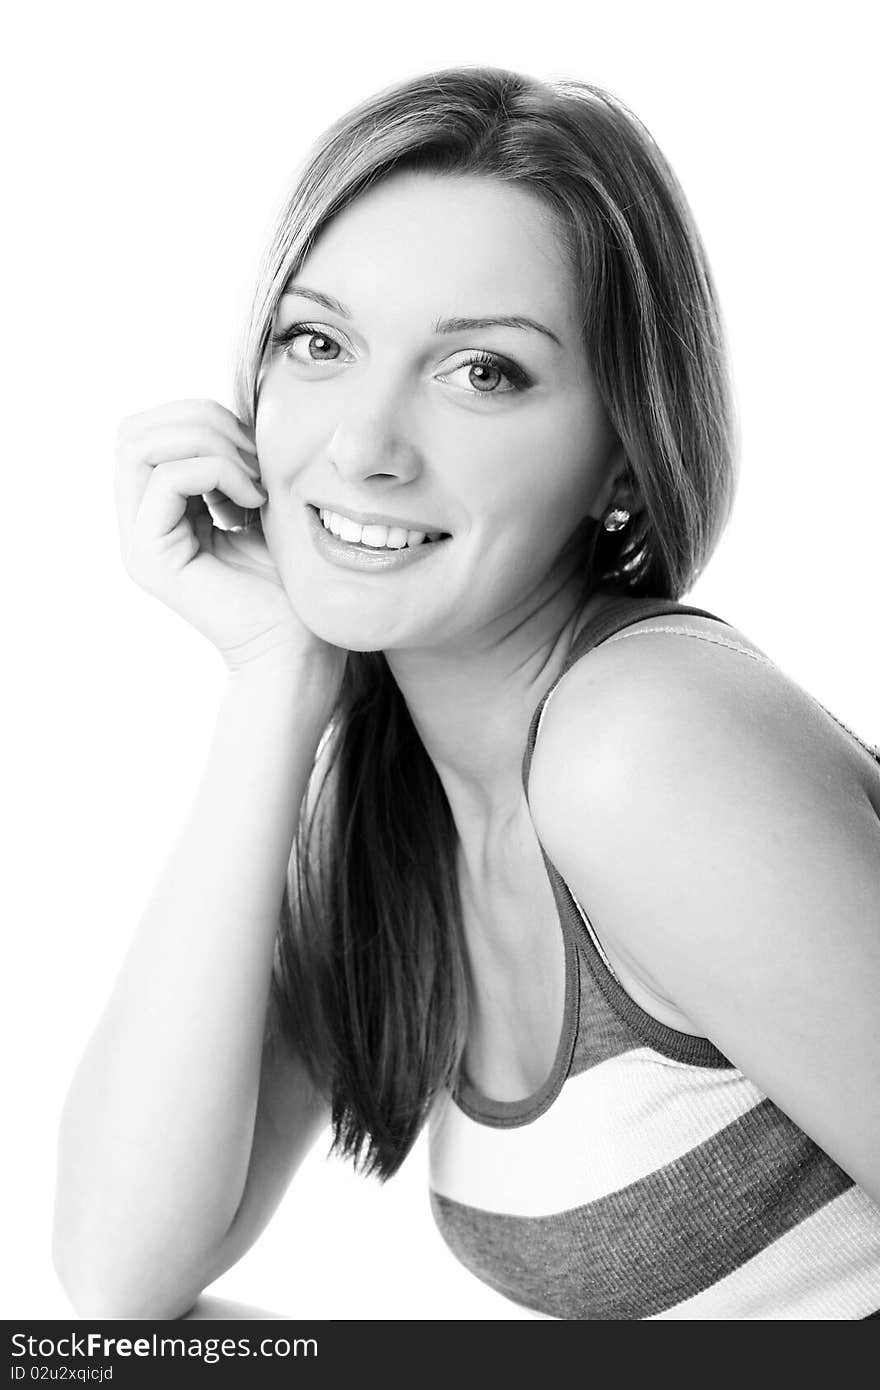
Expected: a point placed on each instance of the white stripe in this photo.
(827, 1267)
(609, 1126)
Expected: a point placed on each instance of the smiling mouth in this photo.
(375, 535)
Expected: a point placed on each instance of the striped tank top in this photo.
(647, 1178)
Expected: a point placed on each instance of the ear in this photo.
(616, 491)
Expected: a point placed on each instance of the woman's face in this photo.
(401, 407)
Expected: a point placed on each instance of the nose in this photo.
(374, 447)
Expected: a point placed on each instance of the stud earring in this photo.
(616, 520)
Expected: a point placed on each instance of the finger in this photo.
(157, 444)
(169, 487)
(216, 510)
(196, 509)
(138, 456)
(163, 442)
(190, 412)
(200, 523)
(199, 516)
(225, 514)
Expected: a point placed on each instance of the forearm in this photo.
(158, 1124)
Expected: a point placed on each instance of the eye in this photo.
(484, 374)
(309, 344)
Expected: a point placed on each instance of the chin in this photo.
(346, 628)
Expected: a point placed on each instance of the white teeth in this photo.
(377, 536)
(374, 535)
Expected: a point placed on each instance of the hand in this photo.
(171, 462)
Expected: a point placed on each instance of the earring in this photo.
(616, 520)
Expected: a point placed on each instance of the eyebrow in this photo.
(447, 325)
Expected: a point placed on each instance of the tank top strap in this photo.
(621, 612)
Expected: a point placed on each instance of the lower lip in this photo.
(350, 556)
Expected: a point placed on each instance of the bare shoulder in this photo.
(695, 687)
(653, 730)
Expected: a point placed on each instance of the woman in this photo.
(483, 440)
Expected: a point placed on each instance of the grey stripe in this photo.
(612, 1022)
(665, 1238)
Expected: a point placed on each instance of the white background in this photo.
(149, 148)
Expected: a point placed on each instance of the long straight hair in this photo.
(371, 980)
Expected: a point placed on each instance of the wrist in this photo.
(304, 684)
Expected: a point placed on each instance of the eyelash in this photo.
(515, 375)
(519, 380)
(283, 337)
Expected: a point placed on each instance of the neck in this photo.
(472, 703)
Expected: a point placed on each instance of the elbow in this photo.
(117, 1267)
(105, 1290)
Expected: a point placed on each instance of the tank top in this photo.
(647, 1178)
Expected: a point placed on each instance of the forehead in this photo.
(445, 244)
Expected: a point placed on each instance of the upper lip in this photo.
(374, 519)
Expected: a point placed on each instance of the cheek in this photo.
(287, 429)
(540, 473)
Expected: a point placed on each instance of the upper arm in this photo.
(700, 807)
